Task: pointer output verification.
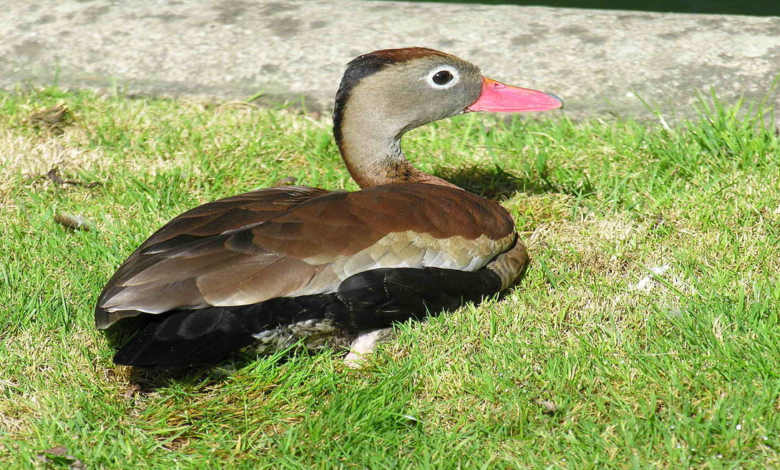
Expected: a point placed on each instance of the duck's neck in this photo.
(371, 149)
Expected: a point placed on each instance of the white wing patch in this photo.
(418, 250)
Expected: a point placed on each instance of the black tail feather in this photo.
(187, 338)
(377, 298)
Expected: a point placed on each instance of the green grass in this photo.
(581, 366)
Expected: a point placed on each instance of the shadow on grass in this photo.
(496, 184)
(144, 380)
(149, 380)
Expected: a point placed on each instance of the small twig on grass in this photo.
(52, 175)
(236, 105)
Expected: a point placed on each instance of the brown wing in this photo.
(291, 241)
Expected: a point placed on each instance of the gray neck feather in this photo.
(369, 138)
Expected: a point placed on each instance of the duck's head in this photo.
(389, 92)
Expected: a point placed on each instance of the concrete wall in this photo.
(231, 49)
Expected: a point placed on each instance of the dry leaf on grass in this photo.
(59, 457)
(549, 407)
(73, 222)
(289, 181)
(51, 119)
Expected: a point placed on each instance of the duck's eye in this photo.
(442, 77)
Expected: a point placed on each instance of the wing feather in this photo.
(292, 241)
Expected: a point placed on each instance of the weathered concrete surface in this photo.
(231, 49)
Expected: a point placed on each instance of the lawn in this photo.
(645, 334)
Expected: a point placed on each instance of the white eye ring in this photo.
(444, 68)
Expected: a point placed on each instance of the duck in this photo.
(294, 265)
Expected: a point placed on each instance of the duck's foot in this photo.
(365, 344)
(511, 265)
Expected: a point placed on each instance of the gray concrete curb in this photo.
(231, 49)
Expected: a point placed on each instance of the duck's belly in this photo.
(313, 335)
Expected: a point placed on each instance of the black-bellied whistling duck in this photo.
(278, 265)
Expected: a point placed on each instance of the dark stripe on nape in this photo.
(364, 66)
(358, 69)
